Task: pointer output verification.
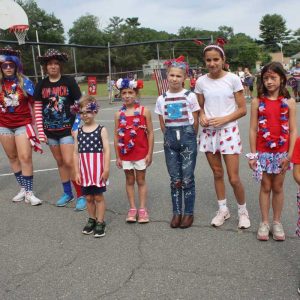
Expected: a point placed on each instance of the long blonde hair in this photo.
(20, 82)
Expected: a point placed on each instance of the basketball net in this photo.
(20, 32)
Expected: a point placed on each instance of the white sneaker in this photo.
(33, 200)
(278, 232)
(220, 218)
(20, 196)
(263, 232)
(244, 220)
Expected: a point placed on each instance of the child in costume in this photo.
(54, 95)
(272, 137)
(16, 131)
(222, 102)
(92, 161)
(133, 142)
(178, 112)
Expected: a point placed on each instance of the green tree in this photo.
(226, 32)
(273, 30)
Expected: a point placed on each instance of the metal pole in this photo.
(109, 74)
(39, 51)
(157, 50)
(212, 38)
(173, 50)
(34, 65)
(75, 62)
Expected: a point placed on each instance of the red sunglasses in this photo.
(5, 66)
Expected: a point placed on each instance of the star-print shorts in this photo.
(224, 140)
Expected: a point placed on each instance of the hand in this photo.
(217, 121)
(203, 120)
(284, 165)
(252, 164)
(119, 163)
(78, 178)
(104, 175)
(148, 160)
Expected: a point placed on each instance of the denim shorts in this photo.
(61, 141)
(12, 131)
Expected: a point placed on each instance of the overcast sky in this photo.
(169, 15)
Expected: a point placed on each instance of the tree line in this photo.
(241, 49)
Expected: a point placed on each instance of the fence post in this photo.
(75, 62)
(34, 65)
(109, 73)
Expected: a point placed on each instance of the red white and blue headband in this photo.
(126, 83)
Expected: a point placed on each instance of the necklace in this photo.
(284, 124)
(125, 148)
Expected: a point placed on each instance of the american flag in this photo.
(161, 80)
(34, 141)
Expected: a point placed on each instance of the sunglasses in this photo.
(85, 112)
(5, 66)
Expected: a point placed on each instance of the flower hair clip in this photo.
(177, 63)
(92, 106)
(126, 83)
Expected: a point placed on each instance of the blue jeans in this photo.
(180, 147)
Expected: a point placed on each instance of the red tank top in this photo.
(14, 106)
(272, 113)
(141, 148)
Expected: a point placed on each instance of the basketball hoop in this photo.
(20, 32)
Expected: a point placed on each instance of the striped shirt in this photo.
(91, 157)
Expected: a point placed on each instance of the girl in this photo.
(220, 95)
(133, 142)
(272, 138)
(15, 121)
(53, 97)
(91, 161)
(178, 112)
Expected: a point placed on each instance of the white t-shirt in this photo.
(218, 95)
(192, 104)
(241, 74)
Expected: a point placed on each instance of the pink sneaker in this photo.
(220, 218)
(143, 215)
(131, 215)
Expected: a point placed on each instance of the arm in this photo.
(150, 135)
(203, 119)
(253, 131)
(293, 133)
(116, 140)
(76, 159)
(162, 123)
(196, 120)
(38, 105)
(106, 151)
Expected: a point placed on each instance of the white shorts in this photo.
(134, 165)
(224, 140)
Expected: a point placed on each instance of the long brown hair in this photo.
(277, 68)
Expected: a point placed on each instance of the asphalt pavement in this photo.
(44, 255)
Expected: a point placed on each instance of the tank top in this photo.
(272, 113)
(141, 147)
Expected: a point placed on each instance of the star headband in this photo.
(91, 106)
(177, 63)
(126, 83)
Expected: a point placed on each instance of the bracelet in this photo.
(251, 156)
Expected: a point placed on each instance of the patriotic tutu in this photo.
(270, 162)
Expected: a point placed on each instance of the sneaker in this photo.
(99, 230)
(263, 232)
(244, 221)
(278, 232)
(20, 196)
(64, 200)
(33, 200)
(131, 215)
(220, 218)
(89, 227)
(80, 203)
(143, 215)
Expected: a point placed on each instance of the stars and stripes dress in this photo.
(91, 160)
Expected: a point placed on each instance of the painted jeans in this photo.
(180, 147)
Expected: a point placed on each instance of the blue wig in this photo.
(15, 59)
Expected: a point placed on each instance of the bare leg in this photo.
(100, 207)
(130, 180)
(232, 166)
(264, 197)
(215, 163)
(10, 149)
(142, 187)
(277, 196)
(25, 154)
(91, 206)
